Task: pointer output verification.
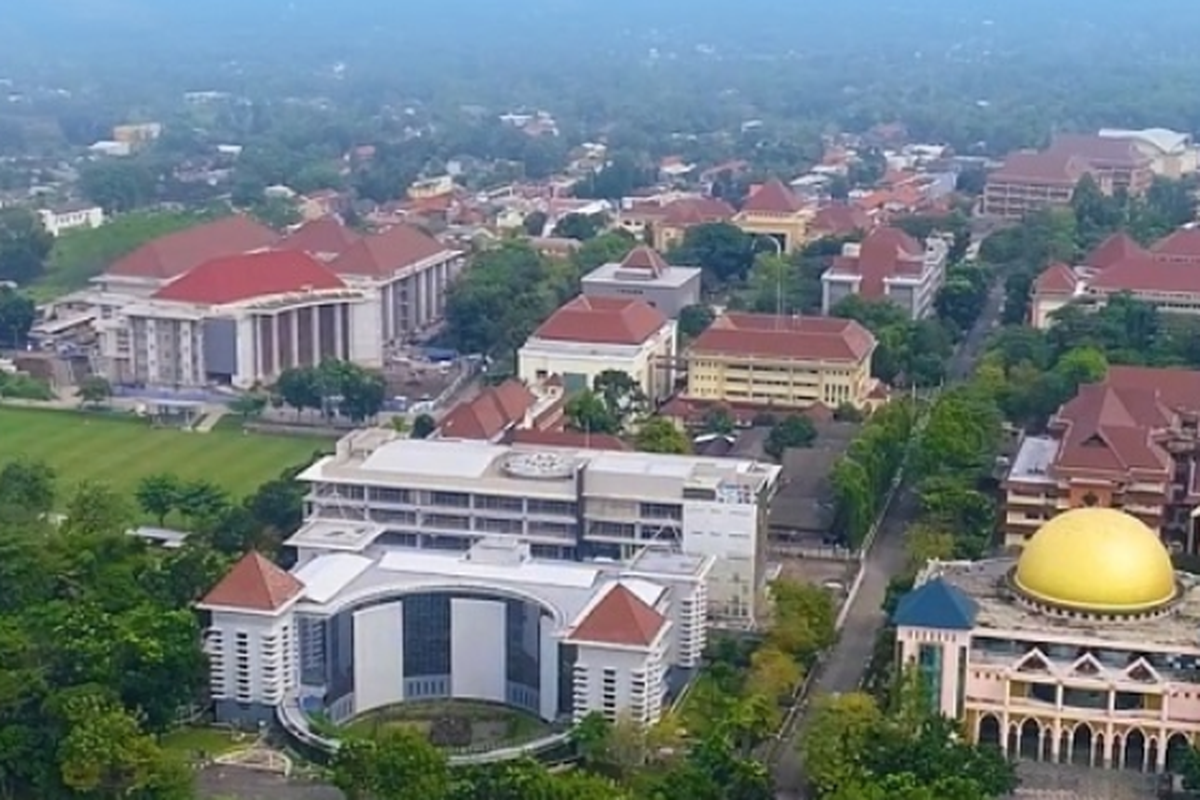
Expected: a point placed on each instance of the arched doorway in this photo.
(1098, 756)
(1064, 746)
(1030, 740)
(1152, 755)
(1081, 745)
(1135, 750)
(1177, 749)
(1048, 745)
(989, 731)
(1118, 751)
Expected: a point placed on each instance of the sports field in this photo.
(121, 451)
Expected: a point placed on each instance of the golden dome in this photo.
(1096, 559)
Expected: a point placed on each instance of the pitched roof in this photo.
(254, 584)
(235, 278)
(1041, 168)
(884, 253)
(772, 198)
(827, 338)
(1117, 247)
(172, 255)
(602, 320)
(620, 617)
(1110, 428)
(326, 236)
(841, 219)
(572, 439)
(1149, 274)
(1177, 389)
(936, 604)
(1182, 244)
(1101, 151)
(696, 211)
(1057, 278)
(646, 258)
(383, 253)
(490, 413)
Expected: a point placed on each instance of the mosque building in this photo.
(1084, 649)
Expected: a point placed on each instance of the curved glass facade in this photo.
(327, 650)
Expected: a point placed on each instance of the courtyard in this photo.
(454, 724)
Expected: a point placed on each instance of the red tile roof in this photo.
(572, 439)
(1057, 278)
(326, 237)
(620, 617)
(1148, 274)
(772, 198)
(646, 258)
(1183, 244)
(1117, 247)
(1177, 389)
(172, 255)
(492, 412)
(825, 338)
(840, 219)
(602, 320)
(884, 253)
(1100, 151)
(382, 254)
(1109, 427)
(696, 211)
(235, 278)
(1041, 168)
(254, 584)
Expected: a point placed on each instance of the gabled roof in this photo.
(1056, 279)
(575, 440)
(884, 253)
(620, 617)
(602, 320)
(254, 584)
(324, 237)
(1117, 247)
(1100, 151)
(646, 258)
(1177, 389)
(766, 335)
(1148, 274)
(696, 211)
(772, 198)
(1055, 168)
(382, 254)
(936, 604)
(841, 219)
(242, 277)
(493, 411)
(1110, 428)
(172, 255)
(1182, 244)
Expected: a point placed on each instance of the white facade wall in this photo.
(378, 657)
(478, 649)
(548, 654)
(252, 656)
(647, 363)
(366, 332)
(621, 681)
(729, 533)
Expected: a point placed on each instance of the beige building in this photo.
(774, 211)
(590, 335)
(1172, 154)
(789, 362)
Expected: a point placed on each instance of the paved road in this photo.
(847, 660)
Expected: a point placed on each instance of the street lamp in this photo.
(778, 273)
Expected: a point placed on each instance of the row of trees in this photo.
(862, 478)
(332, 388)
(909, 352)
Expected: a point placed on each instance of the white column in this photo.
(275, 343)
(340, 313)
(378, 657)
(478, 657)
(295, 318)
(548, 656)
(256, 337)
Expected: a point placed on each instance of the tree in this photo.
(580, 226)
(773, 673)
(534, 223)
(363, 393)
(250, 404)
(694, 320)
(159, 495)
(722, 250)
(201, 500)
(423, 426)
(118, 186)
(622, 395)
(792, 431)
(848, 412)
(610, 247)
(17, 315)
(840, 727)
(24, 245)
(95, 390)
(278, 504)
(299, 389)
(587, 412)
(924, 543)
(28, 486)
(719, 420)
(661, 435)
(398, 765)
(95, 509)
(1081, 365)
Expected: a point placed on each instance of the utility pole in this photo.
(778, 276)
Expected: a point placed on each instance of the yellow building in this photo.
(791, 362)
(431, 187)
(774, 210)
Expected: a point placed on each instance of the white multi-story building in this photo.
(591, 335)
(346, 633)
(66, 218)
(888, 265)
(568, 504)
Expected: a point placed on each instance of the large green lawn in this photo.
(121, 451)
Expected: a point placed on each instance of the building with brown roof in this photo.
(590, 335)
(646, 275)
(1129, 442)
(786, 362)
(1117, 163)
(663, 221)
(1165, 275)
(840, 219)
(773, 210)
(499, 411)
(888, 265)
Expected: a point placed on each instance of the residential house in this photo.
(1129, 442)
(646, 275)
(783, 362)
(663, 221)
(888, 265)
(773, 210)
(590, 335)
